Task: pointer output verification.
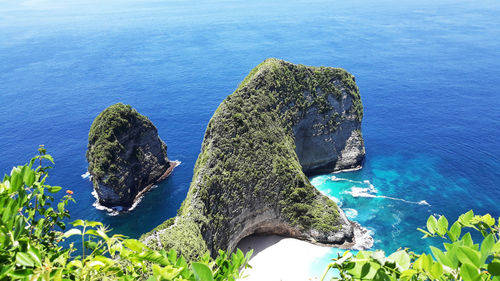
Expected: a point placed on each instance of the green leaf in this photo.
(93, 223)
(53, 189)
(71, 232)
(442, 225)
(91, 245)
(494, 268)
(468, 255)
(401, 258)
(153, 256)
(201, 272)
(455, 231)
(365, 269)
(487, 219)
(60, 207)
(15, 181)
(380, 275)
(75, 263)
(21, 274)
(103, 259)
(96, 264)
(432, 225)
(170, 273)
(4, 270)
(58, 275)
(440, 256)
(29, 177)
(451, 254)
(418, 264)
(466, 218)
(436, 270)
(496, 248)
(172, 256)
(134, 245)
(407, 274)
(425, 232)
(34, 254)
(427, 262)
(24, 259)
(467, 240)
(91, 232)
(78, 223)
(487, 247)
(468, 272)
(48, 157)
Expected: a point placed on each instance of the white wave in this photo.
(365, 182)
(370, 192)
(333, 198)
(423, 202)
(86, 176)
(316, 181)
(334, 178)
(120, 209)
(396, 230)
(350, 213)
(111, 211)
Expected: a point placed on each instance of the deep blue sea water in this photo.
(428, 73)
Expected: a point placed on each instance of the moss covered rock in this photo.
(283, 121)
(126, 156)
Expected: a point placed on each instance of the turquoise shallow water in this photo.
(392, 196)
(428, 74)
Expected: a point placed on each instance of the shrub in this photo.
(462, 259)
(32, 231)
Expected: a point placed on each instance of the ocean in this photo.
(428, 74)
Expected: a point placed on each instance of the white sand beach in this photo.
(277, 258)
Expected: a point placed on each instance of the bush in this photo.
(32, 230)
(461, 260)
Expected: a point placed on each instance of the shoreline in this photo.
(114, 211)
(280, 258)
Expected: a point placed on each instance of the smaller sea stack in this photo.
(126, 156)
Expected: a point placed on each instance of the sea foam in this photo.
(116, 210)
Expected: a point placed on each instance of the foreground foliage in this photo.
(462, 259)
(32, 233)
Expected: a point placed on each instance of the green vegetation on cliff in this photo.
(104, 146)
(248, 160)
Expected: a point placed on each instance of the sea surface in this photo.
(428, 73)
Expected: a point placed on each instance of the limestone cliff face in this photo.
(125, 155)
(323, 146)
(283, 121)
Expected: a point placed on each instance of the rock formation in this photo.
(284, 121)
(126, 156)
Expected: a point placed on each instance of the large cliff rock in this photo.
(283, 121)
(126, 156)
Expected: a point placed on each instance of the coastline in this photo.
(279, 258)
(138, 198)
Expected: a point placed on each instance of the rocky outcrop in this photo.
(126, 156)
(282, 122)
(324, 146)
